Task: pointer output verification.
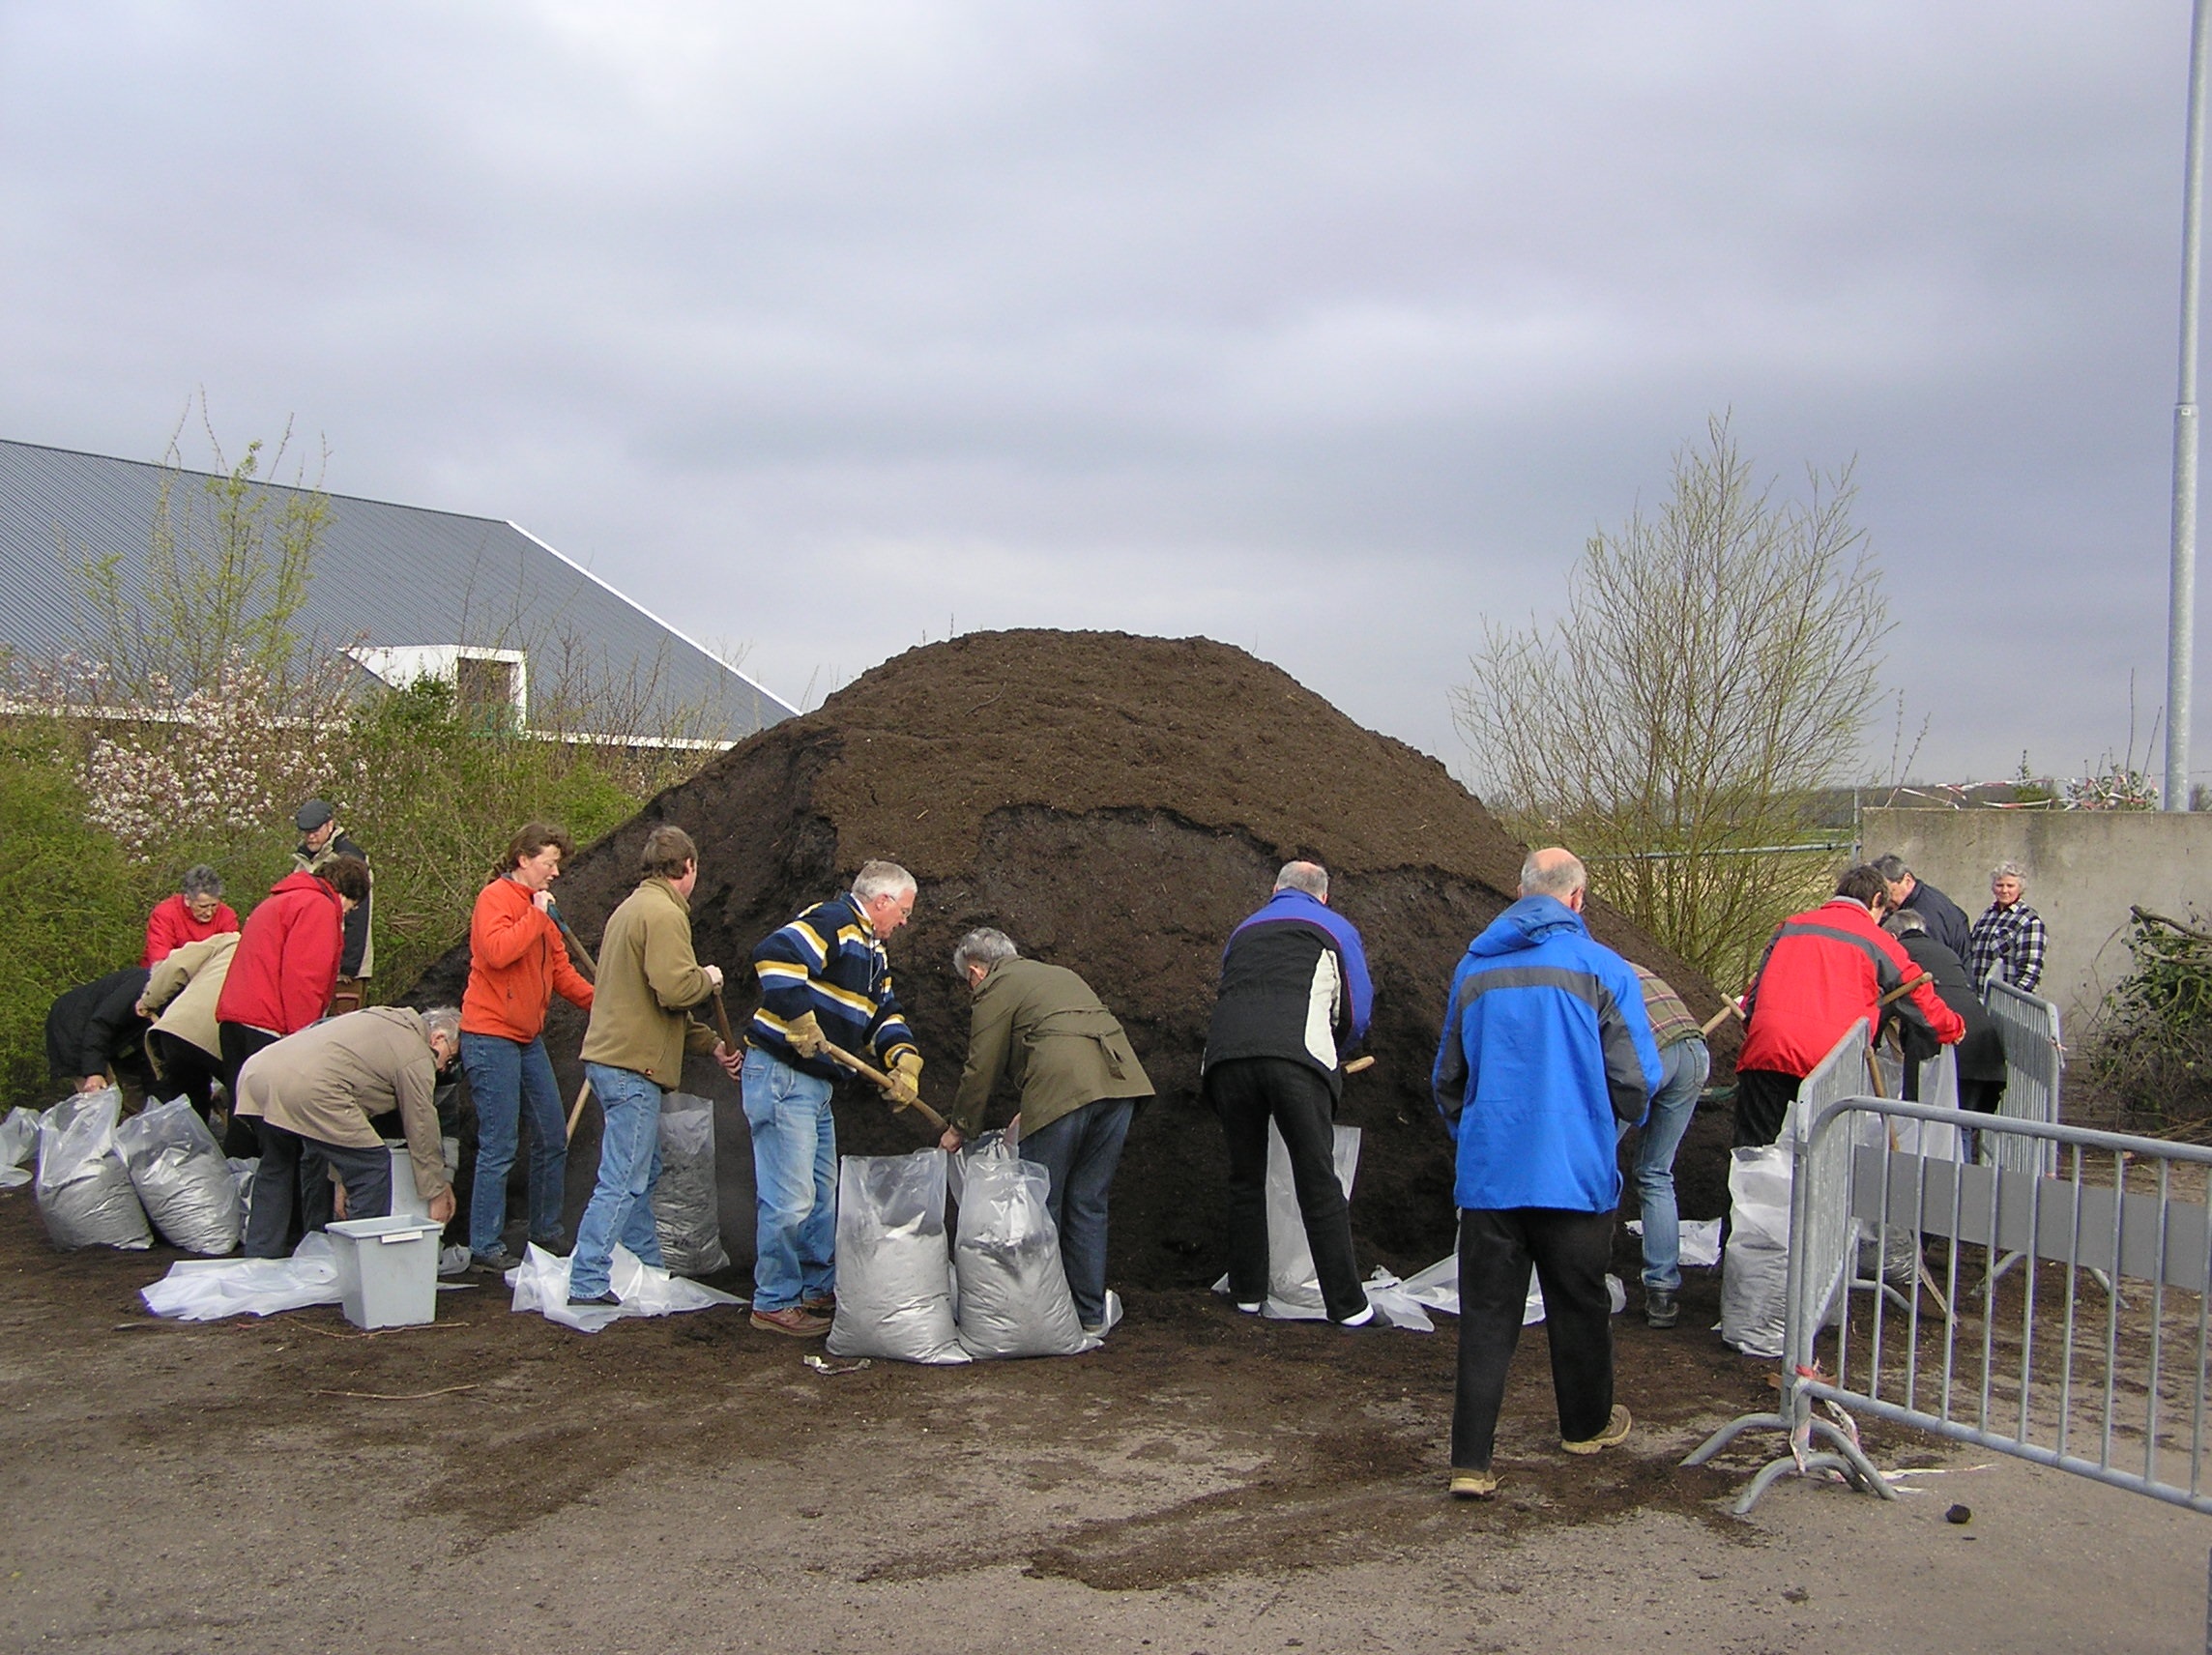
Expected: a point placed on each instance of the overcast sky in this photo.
(1325, 329)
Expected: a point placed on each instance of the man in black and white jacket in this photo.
(1294, 994)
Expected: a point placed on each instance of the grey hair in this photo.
(2009, 870)
(446, 1021)
(1891, 868)
(982, 946)
(1309, 876)
(200, 880)
(881, 879)
(1905, 922)
(1561, 878)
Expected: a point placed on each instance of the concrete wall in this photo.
(2083, 868)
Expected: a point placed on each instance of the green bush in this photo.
(2148, 1059)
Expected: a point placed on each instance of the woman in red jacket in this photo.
(196, 912)
(516, 961)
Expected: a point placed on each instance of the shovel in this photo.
(841, 1055)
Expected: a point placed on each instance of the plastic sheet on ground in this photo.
(1013, 1293)
(1437, 1288)
(895, 1268)
(1700, 1248)
(684, 1210)
(178, 1171)
(540, 1282)
(1294, 1284)
(208, 1290)
(18, 1147)
(83, 1191)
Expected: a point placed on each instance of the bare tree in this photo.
(1713, 666)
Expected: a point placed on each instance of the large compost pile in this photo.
(1117, 805)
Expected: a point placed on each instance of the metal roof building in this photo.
(403, 589)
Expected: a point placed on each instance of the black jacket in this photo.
(1946, 921)
(1293, 985)
(341, 844)
(1981, 1054)
(94, 1025)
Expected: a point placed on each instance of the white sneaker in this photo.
(1365, 1316)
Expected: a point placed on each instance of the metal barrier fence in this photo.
(2092, 1359)
(2033, 1058)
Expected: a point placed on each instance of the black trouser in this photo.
(1762, 1100)
(292, 1188)
(238, 1042)
(184, 1069)
(1570, 1250)
(1246, 1093)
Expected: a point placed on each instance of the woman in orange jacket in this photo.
(517, 962)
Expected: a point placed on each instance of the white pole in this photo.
(2181, 597)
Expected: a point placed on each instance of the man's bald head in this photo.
(1555, 872)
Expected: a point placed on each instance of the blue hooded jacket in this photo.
(1546, 1046)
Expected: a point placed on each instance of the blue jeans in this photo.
(1080, 1151)
(504, 1075)
(795, 1179)
(630, 1165)
(1686, 1064)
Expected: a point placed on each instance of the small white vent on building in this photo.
(490, 680)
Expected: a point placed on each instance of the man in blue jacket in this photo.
(1546, 1050)
(1294, 994)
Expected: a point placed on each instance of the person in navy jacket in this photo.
(1547, 1051)
(1295, 995)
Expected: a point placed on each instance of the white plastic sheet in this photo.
(540, 1284)
(83, 1192)
(1014, 1299)
(685, 1212)
(18, 1147)
(1754, 1276)
(178, 1171)
(894, 1267)
(208, 1290)
(1699, 1247)
(1437, 1288)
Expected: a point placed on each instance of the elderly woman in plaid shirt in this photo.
(2008, 937)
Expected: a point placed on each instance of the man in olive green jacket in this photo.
(1042, 1028)
(312, 1095)
(649, 981)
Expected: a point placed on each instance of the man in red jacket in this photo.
(286, 961)
(1824, 970)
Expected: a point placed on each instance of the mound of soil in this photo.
(1116, 804)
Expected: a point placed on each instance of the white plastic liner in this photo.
(1755, 1275)
(1014, 1296)
(208, 1290)
(18, 1147)
(83, 1191)
(178, 1171)
(1700, 1241)
(894, 1270)
(540, 1282)
(1437, 1288)
(684, 1210)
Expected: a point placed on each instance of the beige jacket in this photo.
(326, 1082)
(649, 978)
(188, 981)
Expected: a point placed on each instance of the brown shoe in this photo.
(1616, 1430)
(823, 1304)
(792, 1320)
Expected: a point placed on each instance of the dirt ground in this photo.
(1206, 1483)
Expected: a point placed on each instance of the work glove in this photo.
(906, 1081)
(805, 1036)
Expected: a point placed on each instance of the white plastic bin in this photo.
(387, 1271)
(405, 1203)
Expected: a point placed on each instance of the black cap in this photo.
(312, 815)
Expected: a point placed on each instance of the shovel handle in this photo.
(577, 1114)
(1359, 1063)
(723, 1023)
(841, 1055)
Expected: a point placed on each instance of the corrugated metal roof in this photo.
(382, 574)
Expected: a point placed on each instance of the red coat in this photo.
(516, 959)
(1825, 968)
(286, 962)
(171, 925)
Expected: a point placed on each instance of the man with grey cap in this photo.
(322, 842)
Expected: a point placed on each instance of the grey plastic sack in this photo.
(1755, 1268)
(18, 1147)
(894, 1271)
(180, 1175)
(1013, 1294)
(83, 1192)
(684, 1209)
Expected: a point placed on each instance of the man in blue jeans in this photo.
(633, 1051)
(1685, 1062)
(1080, 1083)
(825, 980)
